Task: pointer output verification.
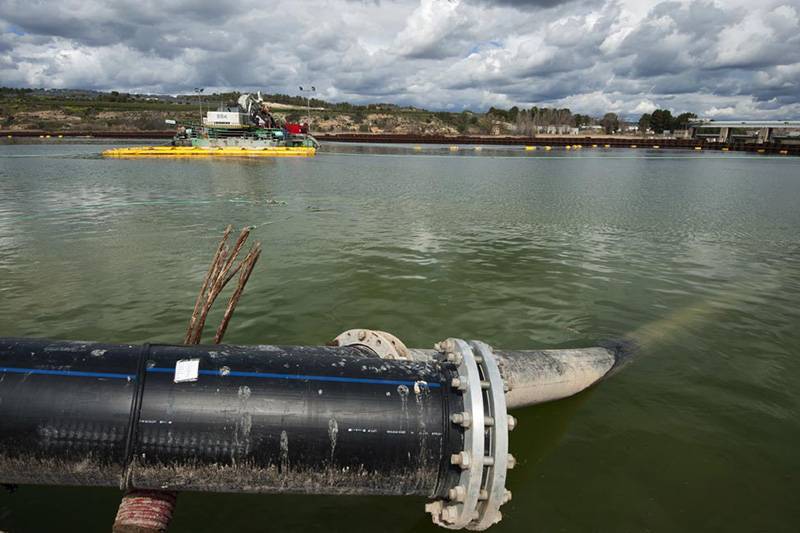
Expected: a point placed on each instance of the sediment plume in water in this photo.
(650, 335)
(653, 333)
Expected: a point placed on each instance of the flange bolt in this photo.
(512, 462)
(450, 514)
(463, 419)
(454, 358)
(457, 493)
(461, 458)
(512, 423)
(444, 346)
(459, 383)
(435, 508)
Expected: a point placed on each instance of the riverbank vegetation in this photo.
(83, 110)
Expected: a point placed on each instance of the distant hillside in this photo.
(85, 110)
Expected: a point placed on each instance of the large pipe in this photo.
(539, 376)
(322, 420)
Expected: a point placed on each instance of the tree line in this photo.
(533, 120)
(661, 120)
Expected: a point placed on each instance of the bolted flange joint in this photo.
(473, 502)
(383, 344)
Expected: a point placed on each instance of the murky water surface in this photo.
(697, 254)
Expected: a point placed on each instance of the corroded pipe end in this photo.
(539, 376)
(624, 349)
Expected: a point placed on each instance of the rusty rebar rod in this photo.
(249, 263)
(187, 339)
(222, 269)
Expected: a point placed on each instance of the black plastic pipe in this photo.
(323, 420)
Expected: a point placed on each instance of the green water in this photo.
(696, 254)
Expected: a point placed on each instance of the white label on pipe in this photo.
(187, 370)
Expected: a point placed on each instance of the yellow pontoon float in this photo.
(197, 151)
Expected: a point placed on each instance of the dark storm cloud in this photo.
(702, 47)
(528, 4)
(724, 58)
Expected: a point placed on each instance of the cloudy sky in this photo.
(723, 59)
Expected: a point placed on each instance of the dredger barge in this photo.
(246, 129)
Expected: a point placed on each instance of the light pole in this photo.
(199, 92)
(308, 90)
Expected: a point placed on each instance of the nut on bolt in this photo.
(454, 358)
(463, 419)
(435, 508)
(444, 346)
(457, 493)
(507, 496)
(512, 423)
(511, 462)
(450, 514)
(459, 383)
(462, 459)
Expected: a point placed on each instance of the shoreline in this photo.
(566, 142)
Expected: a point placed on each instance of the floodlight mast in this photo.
(309, 89)
(199, 92)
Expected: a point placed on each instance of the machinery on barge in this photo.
(244, 129)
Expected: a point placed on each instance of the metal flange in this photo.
(462, 508)
(385, 345)
(494, 481)
(476, 499)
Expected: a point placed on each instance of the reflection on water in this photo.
(694, 255)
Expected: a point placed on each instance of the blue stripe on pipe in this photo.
(297, 377)
(68, 373)
(263, 375)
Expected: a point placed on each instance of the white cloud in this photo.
(644, 106)
(726, 58)
(432, 29)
